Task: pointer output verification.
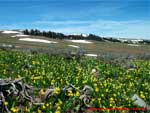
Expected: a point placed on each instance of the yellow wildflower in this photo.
(85, 81)
(114, 95)
(39, 111)
(27, 109)
(52, 82)
(61, 80)
(142, 96)
(57, 104)
(47, 104)
(42, 92)
(96, 89)
(95, 85)
(93, 99)
(70, 93)
(57, 111)
(33, 62)
(77, 94)
(34, 81)
(36, 78)
(50, 105)
(110, 105)
(5, 103)
(58, 108)
(67, 82)
(43, 107)
(111, 99)
(19, 76)
(95, 79)
(106, 90)
(56, 91)
(15, 110)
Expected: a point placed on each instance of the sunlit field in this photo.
(76, 84)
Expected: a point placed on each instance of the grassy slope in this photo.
(96, 47)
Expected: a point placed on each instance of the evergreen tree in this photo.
(55, 35)
(26, 32)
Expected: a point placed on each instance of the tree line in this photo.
(56, 35)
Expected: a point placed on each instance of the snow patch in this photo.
(81, 41)
(74, 46)
(123, 40)
(136, 41)
(85, 35)
(91, 55)
(20, 35)
(7, 45)
(36, 40)
(9, 32)
(135, 45)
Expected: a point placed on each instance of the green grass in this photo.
(113, 87)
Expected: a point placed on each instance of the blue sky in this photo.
(113, 18)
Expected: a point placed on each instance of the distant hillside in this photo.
(56, 35)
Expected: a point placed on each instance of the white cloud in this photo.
(4, 27)
(125, 29)
(61, 22)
